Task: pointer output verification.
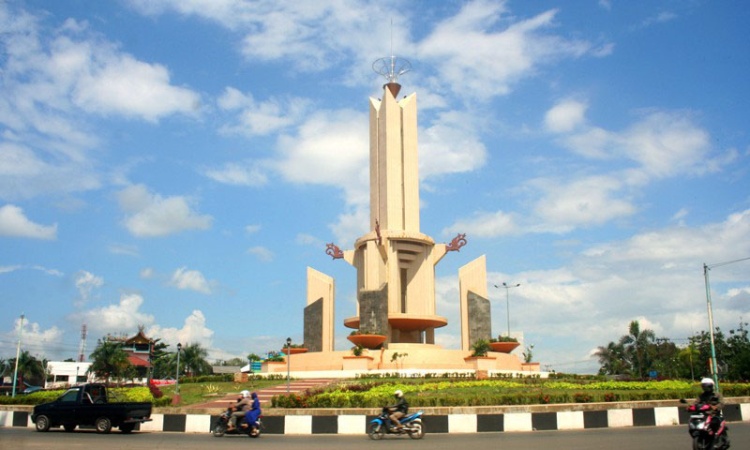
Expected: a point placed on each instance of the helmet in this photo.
(398, 393)
(245, 394)
(707, 384)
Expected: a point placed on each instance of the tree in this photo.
(161, 360)
(637, 345)
(732, 353)
(194, 359)
(30, 369)
(109, 360)
(611, 359)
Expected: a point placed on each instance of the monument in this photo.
(396, 315)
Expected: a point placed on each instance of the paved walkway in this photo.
(265, 394)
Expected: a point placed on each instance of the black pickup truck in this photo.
(88, 405)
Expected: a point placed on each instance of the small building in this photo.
(67, 373)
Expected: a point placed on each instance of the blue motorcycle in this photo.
(410, 424)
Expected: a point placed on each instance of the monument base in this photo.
(402, 357)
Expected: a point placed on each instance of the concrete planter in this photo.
(294, 350)
(370, 341)
(504, 347)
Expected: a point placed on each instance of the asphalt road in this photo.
(662, 438)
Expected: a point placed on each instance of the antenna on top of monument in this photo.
(391, 68)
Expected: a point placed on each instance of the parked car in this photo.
(29, 388)
(88, 405)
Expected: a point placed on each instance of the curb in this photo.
(353, 424)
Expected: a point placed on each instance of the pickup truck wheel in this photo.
(69, 428)
(103, 425)
(127, 427)
(42, 423)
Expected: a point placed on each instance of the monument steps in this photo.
(266, 394)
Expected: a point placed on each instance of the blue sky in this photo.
(178, 164)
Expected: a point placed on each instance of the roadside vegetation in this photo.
(432, 392)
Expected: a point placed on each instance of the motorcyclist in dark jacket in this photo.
(398, 410)
(713, 403)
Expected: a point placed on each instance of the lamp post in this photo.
(288, 362)
(177, 375)
(18, 355)
(507, 300)
(706, 268)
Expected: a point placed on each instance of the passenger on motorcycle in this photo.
(398, 410)
(713, 402)
(240, 408)
(252, 415)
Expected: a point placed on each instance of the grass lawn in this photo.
(195, 393)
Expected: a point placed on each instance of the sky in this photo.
(178, 164)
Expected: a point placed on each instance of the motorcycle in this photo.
(700, 428)
(411, 425)
(222, 425)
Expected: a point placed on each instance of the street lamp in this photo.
(507, 300)
(706, 268)
(177, 375)
(288, 361)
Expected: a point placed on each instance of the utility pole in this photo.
(18, 355)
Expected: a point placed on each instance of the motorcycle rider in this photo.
(398, 410)
(252, 415)
(712, 400)
(243, 405)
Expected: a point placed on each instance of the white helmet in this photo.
(245, 394)
(398, 393)
(707, 384)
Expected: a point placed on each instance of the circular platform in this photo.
(406, 322)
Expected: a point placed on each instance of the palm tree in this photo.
(194, 358)
(109, 359)
(611, 359)
(637, 345)
(29, 368)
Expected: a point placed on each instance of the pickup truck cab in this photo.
(88, 405)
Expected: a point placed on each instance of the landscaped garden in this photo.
(429, 391)
(459, 391)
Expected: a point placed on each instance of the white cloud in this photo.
(350, 225)
(193, 331)
(485, 224)
(110, 82)
(260, 118)
(565, 116)
(193, 280)
(239, 174)
(480, 62)
(450, 145)
(262, 253)
(123, 317)
(654, 277)
(53, 79)
(308, 240)
(151, 215)
(330, 148)
(86, 282)
(14, 223)
(663, 143)
(583, 202)
(252, 229)
(39, 342)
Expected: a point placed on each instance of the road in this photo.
(662, 438)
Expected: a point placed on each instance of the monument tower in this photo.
(395, 262)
